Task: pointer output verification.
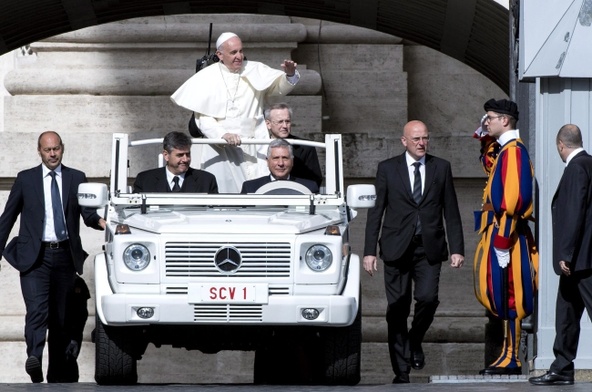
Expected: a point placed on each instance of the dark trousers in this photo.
(573, 296)
(46, 288)
(399, 278)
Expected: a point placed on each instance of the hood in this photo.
(232, 221)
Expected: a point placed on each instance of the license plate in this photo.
(228, 293)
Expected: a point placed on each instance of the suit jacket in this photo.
(251, 186)
(196, 181)
(571, 210)
(394, 201)
(306, 162)
(27, 199)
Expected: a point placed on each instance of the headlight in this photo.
(318, 258)
(136, 257)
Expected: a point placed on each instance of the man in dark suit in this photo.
(571, 211)
(280, 160)
(414, 191)
(47, 252)
(177, 175)
(278, 118)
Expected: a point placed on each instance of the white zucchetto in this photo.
(223, 38)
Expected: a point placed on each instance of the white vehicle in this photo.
(271, 272)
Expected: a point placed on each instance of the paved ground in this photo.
(439, 384)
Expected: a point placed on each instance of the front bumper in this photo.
(121, 309)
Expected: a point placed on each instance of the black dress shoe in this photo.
(499, 371)
(417, 359)
(33, 369)
(552, 378)
(401, 379)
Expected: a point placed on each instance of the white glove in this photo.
(503, 257)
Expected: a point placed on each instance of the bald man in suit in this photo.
(414, 194)
(571, 211)
(177, 175)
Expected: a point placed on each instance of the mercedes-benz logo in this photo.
(228, 259)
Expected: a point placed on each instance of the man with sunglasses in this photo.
(415, 195)
(506, 259)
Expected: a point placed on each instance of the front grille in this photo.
(196, 259)
(228, 313)
(173, 290)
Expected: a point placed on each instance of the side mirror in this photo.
(361, 196)
(92, 194)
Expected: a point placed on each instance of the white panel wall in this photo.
(558, 101)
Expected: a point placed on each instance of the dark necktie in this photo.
(417, 192)
(417, 183)
(58, 212)
(176, 187)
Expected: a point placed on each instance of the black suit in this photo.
(251, 186)
(306, 162)
(155, 180)
(572, 242)
(47, 275)
(403, 253)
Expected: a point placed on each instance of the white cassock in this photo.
(232, 102)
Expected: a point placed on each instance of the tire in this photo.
(291, 357)
(115, 363)
(261, 368)
(327, 356)
(342, 353)
(274, 363)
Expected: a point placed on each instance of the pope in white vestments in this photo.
(228, 99)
